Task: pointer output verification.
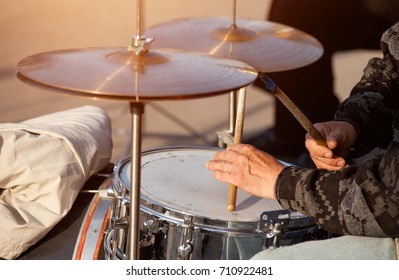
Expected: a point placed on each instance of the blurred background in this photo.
(30, 27)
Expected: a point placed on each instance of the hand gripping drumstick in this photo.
(303, 120)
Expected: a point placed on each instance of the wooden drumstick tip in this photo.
(232, 198)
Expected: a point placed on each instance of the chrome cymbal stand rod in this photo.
(137, 111)
(138, 19)
(139, 45)
(234, 25)
(232, 111)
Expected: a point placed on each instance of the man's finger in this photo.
(335, 163)
(222, 176)
(317, 150)
(219, 165)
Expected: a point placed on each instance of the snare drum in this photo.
(183, 212)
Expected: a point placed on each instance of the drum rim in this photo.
(176, 216)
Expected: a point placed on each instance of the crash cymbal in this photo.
(117, 73)
(266, 46)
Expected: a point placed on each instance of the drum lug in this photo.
(119, 223)
(148, 224)
(152, 238)
(125, 201)
(148, 232)
(184, 251)
(186, 248)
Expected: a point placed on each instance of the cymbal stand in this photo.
(234, 13)
(225, 137)
(139, 46)
(233, 94)
(136, 111)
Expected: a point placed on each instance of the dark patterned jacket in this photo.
(364, 199)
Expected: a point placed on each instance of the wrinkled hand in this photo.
(340, 137)
(248, 168)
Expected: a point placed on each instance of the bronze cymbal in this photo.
(117, 73)
(266, 46)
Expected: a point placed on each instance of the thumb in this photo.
(331, 141)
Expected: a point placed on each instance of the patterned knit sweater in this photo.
(364, 199)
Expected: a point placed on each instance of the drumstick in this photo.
(302, 119)
(239, 126)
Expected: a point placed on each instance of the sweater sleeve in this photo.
(375, 98)
(358, 200)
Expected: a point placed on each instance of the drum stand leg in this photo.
(136, 110)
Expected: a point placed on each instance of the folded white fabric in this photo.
(44, 162)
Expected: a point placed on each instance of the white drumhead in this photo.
(177, 179)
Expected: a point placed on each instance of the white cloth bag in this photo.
(44, 162)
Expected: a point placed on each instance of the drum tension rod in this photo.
(271, 222)
(103, 193)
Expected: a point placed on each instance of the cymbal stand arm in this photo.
(139, 45)
(137, 110)
(138, 19)
(234, 25)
